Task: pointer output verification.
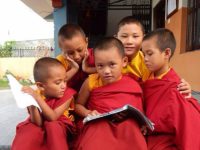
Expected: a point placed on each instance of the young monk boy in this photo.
(46, 129)
(130, 33)
(76, 57)
(105, 91)
(177, 120)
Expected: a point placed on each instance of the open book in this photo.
(127, 111)
(22, 99)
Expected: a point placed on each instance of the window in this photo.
(193, 25)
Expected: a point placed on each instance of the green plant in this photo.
(6, 49)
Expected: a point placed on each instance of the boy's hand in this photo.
(93, 113)
(185, 88)
(30, 91)
(72, 63)
(84, 62)
(144, 130)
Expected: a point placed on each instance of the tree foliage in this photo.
(6, 48)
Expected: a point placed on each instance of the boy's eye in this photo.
(99, 66)
(112, 64)
(57, 82)
(135, 36)
(80, 50)
(70, 52)
(124, 36)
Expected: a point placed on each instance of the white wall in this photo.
(154, 3)
(182, 3)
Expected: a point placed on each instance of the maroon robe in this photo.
(51, 136)
(106, 135)
(177, 120)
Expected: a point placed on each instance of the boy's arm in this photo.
(186, 121)
(85, 67)
(81, 101)
(49, 113)
(35, 115)
(74, 68)
(185, 88)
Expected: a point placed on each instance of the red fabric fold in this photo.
(105, 135)
(177, 120)
(52, 135)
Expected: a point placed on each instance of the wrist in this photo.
(87, 112)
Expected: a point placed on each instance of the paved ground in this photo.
(11, 115)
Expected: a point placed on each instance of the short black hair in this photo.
(130, 20)
(68, 31)
(164, 39)
(42, 66)
(109, 42)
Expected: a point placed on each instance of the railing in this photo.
(28, 52)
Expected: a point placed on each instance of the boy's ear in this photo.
(86, 39)
(115, 35)
(167, 53)
(125, 61)
(40, 86)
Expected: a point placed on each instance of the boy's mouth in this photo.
(129, 48)
(108, 77)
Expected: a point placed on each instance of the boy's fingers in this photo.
(183, 88)
(183, 80)
(183, 85)
(188, 96)
(185, 92)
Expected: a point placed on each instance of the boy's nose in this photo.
(129, 40)
(77, 57)
(63, 85)
(145, 59)
(107, 70)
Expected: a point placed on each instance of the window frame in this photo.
(192, 41)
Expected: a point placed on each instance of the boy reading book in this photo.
(47, 129)
(177, 120)
(106, 91)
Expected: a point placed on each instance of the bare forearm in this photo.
(48, 113)
(90, 70)
(71, 73)
(35, 115)
(52, 114)
(81, 110)
(86, 68)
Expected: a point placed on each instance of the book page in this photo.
(22, 99)
(119, 114)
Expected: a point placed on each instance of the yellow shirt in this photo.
(137, 67)
(94, 81)
(63, 61)
(159, 77)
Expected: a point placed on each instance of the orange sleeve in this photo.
(94, 81)
(63, 61)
